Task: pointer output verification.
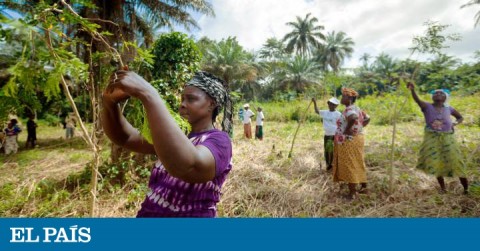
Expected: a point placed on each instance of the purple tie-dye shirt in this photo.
(438, 120)
(172, 197)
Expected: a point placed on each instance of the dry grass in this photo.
(263, 182)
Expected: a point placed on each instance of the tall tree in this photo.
(338, 47)
(228, 60)
(365, 58)
(299, 74)
(385, 66)
(477, 16)
(305, 36)
(273, 50)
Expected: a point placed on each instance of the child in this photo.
(259, 124)
(439, 153)
(186, 180)
(32, 132)
(11, 133)
(330, 118)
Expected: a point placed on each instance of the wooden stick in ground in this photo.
(394, 133)
(298, 127)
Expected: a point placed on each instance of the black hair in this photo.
(215, 113)
(353, 99)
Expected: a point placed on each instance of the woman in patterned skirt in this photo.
(348, 157)
(439, 154)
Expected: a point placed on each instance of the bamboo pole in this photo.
(298, 127)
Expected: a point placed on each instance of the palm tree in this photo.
(365, 58)
(299, 74)
(305, 36)
(131, 17)
(228, 60)
(385, 66)
(477, 16)
(273, 50)
(476, 55)
(338, 47)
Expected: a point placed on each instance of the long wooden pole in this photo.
(394, 132)
(298, 127)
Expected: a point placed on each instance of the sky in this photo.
(375, 26)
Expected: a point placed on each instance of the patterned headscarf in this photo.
(216, 89)
(349, 92)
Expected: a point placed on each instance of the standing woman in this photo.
(187, 178)
(439, 153)
(348, 160)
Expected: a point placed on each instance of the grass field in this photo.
(51, 181)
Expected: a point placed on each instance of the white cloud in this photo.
(375, 26)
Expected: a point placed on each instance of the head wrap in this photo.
(447, 95)
(216, 89)
(349, 92)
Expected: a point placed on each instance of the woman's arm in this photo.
(458, 116)
(177, 154)
(117, 128)
(315, 105)
(420, 103)
(350, 122)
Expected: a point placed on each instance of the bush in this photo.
(52, 120)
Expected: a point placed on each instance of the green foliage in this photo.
(433, 40)
(284, 111)
(176, 59)
(9, 105)
(52, 120)
(181, 122)
(380, 108)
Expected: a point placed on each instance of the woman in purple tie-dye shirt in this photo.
(186, 180)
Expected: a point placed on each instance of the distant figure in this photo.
(348, 155)
(32, 132)
(439, 154)
(70, 123)
(259, 124)
(247, 122)
(240, 114)
(330, 118)
(11, 133)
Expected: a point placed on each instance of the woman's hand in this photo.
(410, 86)
(349, 132)
(129, 83)
(114, 95)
